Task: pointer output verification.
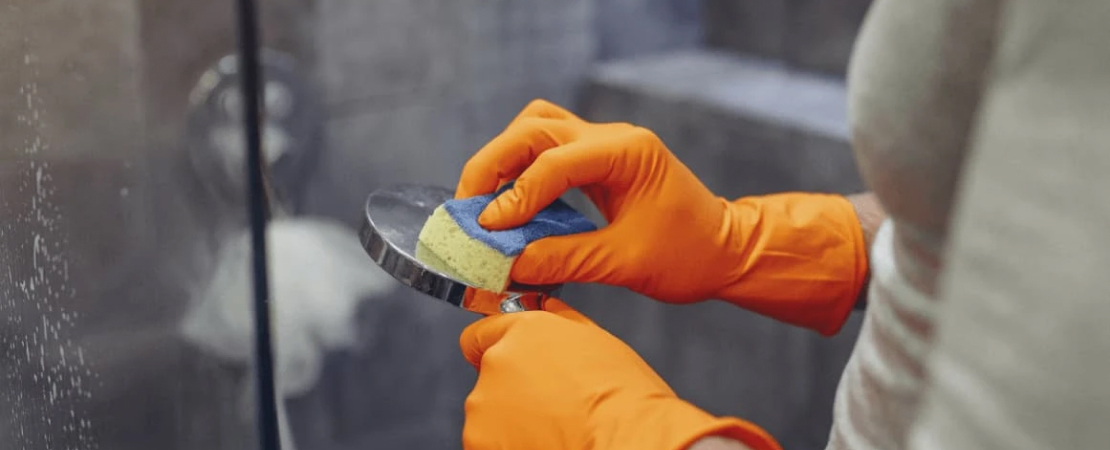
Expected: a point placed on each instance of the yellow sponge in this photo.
(453, 242)
(444, 246)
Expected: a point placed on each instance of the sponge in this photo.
(453, 242)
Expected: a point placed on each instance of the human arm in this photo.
(552, 380)
(797, 257)
(871, 215)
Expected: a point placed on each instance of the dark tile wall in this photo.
(756, 27)
(629, 28)
(808, 34)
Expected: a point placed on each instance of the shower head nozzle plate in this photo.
(392, 220)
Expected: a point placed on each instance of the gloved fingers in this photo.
(577, 258)
(479, 336)
(508, 154)
(477, 436)
(549, 176)
(556, 306)
(543, 109)
(488, 303)
(482, 302)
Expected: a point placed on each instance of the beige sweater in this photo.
(984, 128)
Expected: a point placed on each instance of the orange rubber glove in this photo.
(552, 380)
(797, 257)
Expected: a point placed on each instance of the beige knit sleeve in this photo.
(1021, 357)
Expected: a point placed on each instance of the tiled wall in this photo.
(630, 28)
(809, 34)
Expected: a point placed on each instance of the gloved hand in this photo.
(797, 257)
(552, 380)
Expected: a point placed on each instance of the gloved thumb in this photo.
(576, 258)
(479, 336)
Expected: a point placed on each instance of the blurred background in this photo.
(123, 273)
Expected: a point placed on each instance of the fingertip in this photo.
(478, 337)
(574, 258)
(468, 343)
(482, 302)
(462, 192)
(491, 217)
(502, 213)
(543, 262)
(473, 182)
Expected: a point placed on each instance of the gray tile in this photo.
(756, 27)
(385, 48)
(763, 89)
(629, 28)
(821, 33)
(746, 126)
(812, 35)
(440, 49)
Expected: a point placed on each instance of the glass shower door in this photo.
(107, 237)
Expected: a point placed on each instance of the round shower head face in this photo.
(392, 221)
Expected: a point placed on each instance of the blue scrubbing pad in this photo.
(558, 219)
(485, 257)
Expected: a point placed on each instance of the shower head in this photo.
(392, 221)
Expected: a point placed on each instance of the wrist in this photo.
(869, 214)
(800, 258)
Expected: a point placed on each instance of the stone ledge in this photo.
(745, 125)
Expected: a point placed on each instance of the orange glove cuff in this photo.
(741, 430)
(674, 424)
(802, 258)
